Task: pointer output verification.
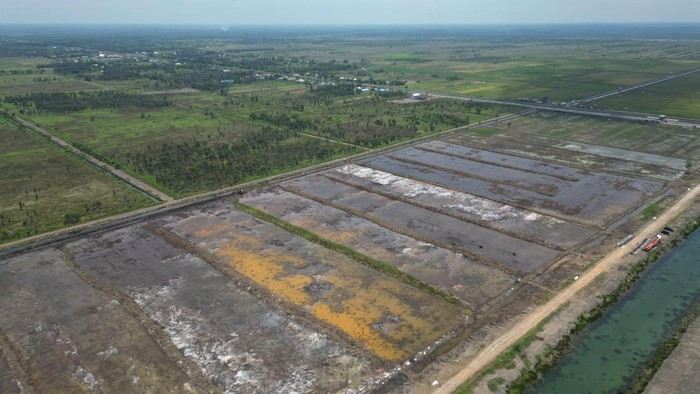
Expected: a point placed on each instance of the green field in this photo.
(205, 141)
(677, 97)
(41, 184)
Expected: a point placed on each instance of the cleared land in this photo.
(44, 187)
(352, 278)
(349, 283)
(238, 341)
(67, 336)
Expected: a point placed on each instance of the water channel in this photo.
(612, 349)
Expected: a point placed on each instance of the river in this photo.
(609, 352)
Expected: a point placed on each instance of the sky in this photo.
(346, 12)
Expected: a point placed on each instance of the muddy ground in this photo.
(66, 336)
(240, 343)
(596, 201)
(544, 148)
(383, 315)
(520, 223)
(474, 283)
(479, 243)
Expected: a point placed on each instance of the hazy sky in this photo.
(240, 12)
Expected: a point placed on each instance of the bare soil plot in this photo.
(8, 383)
(508, 161)
(641, 137)
(640, 157)
(471, 282)
(505, 218)
(544, 148)
(389, 318)
(596, 200)
(480, 243)
(72, 337)
(239, 342)
(546, 185)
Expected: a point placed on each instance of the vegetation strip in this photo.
(342, 249)
(547, 360)
(505, 359)
(152, 328)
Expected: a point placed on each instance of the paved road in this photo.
(528, 322)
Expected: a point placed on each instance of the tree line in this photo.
(60, 102)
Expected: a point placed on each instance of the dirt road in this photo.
(520, 328)
(138, 184)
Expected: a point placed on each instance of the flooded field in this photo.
(474, 283)
(639, 157)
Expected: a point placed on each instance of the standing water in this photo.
(612, 349)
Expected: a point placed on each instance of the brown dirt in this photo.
(521, 327)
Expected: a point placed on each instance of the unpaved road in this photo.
(520, 328)
(138, 184)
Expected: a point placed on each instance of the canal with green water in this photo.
(611, 350)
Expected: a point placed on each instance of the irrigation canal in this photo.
(612, 349)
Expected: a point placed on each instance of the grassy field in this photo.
(43, 188)
(677, 97)
(204, 141)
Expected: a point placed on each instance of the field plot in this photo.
(70, 337)
(477, 242)
(474, 283)
(502, 217)
(595, 201)
(677, 97)
(639, 157)
(239, 342)
(43, 188)
(544, 148)
(8, 89)
(674, 142)
(389, 318)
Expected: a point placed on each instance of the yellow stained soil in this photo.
(357, 302)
